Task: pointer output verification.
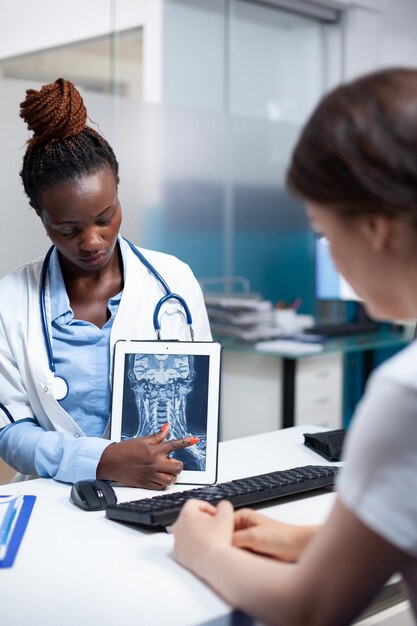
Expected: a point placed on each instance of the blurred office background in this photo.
(202, 101)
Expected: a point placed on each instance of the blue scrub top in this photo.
(82, 354)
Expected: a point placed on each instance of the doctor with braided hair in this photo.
(61, 315)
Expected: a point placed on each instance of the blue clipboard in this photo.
(18, 531)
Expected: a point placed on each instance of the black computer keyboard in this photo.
(343, 329)
(163, 510)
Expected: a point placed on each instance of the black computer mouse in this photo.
(92, 495)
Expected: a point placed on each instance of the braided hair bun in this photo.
(62, 148)
(55, 112)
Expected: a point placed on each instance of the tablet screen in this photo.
(173, 388)
(155, 383)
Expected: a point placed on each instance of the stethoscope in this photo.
(60, 385)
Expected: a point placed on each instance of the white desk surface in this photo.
(77, 567)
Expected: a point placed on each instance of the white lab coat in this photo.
(25, 378)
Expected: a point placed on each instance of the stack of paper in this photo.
(250, 318)
(289, 346)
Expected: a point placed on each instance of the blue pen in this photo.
(8, 523)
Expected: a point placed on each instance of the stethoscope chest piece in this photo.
(60, 388)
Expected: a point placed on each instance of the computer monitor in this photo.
(329, 284)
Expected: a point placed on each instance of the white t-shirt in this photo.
(379, 480)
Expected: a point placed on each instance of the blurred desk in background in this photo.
(263, 391)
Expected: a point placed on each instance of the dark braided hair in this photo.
(62, 147)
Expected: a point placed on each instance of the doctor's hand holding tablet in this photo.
(60, 316)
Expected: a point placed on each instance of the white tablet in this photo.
(155, 382)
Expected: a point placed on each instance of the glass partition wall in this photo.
(202, 104)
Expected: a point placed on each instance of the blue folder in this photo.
(18, 530)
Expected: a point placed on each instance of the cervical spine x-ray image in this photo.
(173, 388)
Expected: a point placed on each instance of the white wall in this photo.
(178, 33)
(372, 34)
(399, 33)
(379, 34)
(26, 25)
(22, 236)
(240, 57)
(193, 54)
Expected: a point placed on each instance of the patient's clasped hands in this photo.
(203, 530)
